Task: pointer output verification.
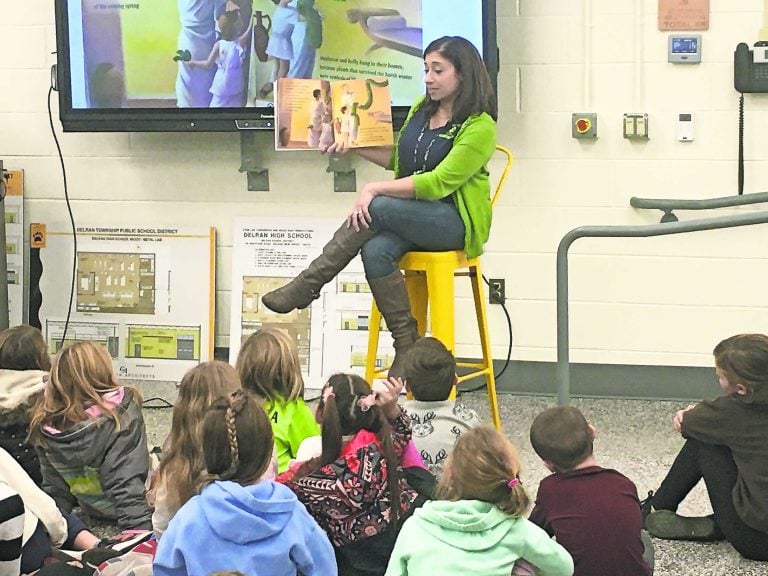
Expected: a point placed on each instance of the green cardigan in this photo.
(464, 172)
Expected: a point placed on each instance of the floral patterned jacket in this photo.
(349, 498)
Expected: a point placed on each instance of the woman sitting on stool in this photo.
(438, 201)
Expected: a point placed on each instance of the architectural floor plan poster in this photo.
(332, 333)
(14, 245)
(146, 293)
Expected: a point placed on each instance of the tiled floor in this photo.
(634, 436)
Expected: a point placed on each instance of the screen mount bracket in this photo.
(251, 162)
(344, 177)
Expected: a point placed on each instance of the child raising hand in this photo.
(355, 488)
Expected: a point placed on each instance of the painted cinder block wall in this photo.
(662, 301)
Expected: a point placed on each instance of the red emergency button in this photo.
(583, 125)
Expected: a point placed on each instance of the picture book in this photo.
(315, 113)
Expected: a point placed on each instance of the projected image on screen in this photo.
(228, 53)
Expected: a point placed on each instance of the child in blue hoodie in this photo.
(238, 522)
(476, 525)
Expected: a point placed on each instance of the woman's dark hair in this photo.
(237, 438)
(475, 93)
(24, 348)
(341, 415)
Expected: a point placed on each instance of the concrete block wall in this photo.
(663, 301)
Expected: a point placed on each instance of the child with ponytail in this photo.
(268, 366)
(239, 522)
(476, 526)
(355, 489)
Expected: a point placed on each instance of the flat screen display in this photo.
(210, 64)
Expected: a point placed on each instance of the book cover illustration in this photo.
(315, 113)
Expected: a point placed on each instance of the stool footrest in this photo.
(471, 375)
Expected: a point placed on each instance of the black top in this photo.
(422, 148)
(13, 439)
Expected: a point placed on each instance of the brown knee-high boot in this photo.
(392, 299)
(302, 290)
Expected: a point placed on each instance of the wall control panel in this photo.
(684, 48)
(685, 127)
(636, 126)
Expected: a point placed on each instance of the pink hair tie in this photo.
(328, 394)
(514, 482)
(366, 402)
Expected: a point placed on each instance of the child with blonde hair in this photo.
(476, 525)
(91, 440)
(239, 522)
(268, 366)
(183, 463)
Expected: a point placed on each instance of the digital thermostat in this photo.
(684, 49)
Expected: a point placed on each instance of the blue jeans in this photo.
(404, 224)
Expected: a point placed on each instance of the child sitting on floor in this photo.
(11, 530)
(45, 526)
(24, 366)
(239, 521)
(430, 374)
(183, 463)
(476, 525)
(726, 445)
(91, 440)
(593, 511)
(268, 365)
(355, 488)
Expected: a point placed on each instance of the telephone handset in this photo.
(750, 68)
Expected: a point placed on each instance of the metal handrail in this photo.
(666, 205)
(563, 358)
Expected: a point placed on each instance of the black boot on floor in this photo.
(669, 525)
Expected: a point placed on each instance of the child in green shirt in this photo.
(268, 365)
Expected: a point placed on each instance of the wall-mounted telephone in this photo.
(750, 68)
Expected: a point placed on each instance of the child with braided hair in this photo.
(238, 522)
(355, 488)
(183, 463)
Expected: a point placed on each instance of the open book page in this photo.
(314, 113)
(362, 112)
(303, 119)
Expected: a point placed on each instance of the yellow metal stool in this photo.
(429, 279)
